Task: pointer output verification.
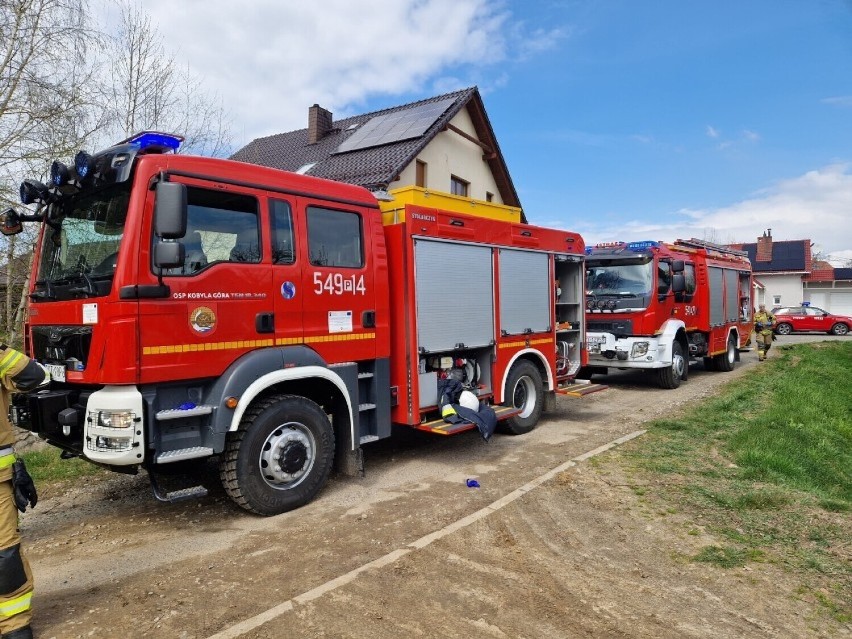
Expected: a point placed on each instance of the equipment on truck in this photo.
(194, 307)
(655, 305)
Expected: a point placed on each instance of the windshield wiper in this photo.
(46, 294)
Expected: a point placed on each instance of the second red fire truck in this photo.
(193, 307)
(655, 305)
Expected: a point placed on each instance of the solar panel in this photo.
(395, 127)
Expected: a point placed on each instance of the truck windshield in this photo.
(82, 245)
(620, 278)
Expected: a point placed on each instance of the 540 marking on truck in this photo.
(338, 284)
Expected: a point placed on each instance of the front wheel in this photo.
(280, 456)
(524, 391)
(725, 361)
(839, 329)
(671, 376)
(784, 328)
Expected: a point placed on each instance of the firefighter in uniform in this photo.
(764, 322)
(18, 373)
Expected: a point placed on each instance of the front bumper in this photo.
(605, 349)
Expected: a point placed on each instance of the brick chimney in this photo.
(319, 123)
(764, 247)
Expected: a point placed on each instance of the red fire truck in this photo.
(193, 307)
(655, 305)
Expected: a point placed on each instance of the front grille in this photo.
(622, 328)
(58, 344)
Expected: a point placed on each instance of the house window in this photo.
(776, 300)
(489, 196)
(458, 186)
(420, 174)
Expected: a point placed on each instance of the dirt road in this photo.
(546, 547)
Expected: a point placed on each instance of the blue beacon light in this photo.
(154, 139)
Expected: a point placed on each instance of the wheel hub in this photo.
(287, 456)
(293, 457)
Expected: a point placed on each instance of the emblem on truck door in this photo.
(202, 320)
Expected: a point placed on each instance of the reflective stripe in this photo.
(7, 460)
(9, 360)
(16, 606)
(447, 409)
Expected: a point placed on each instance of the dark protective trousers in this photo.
(16, 579)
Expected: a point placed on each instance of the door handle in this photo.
(264, 322)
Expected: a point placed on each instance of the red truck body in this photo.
(194, 307)
(655, 305)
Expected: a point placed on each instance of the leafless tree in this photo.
(46, 109)
(150, 90)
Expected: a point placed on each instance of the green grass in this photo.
(767, 465)
(46, 467)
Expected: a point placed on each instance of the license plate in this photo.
(57, 372)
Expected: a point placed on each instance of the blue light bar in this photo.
(641, 246)
(154, 141)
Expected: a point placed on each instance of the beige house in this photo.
(443, 144)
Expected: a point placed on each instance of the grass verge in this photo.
(46, 467)
(767, 465)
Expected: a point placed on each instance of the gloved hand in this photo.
(22, 483)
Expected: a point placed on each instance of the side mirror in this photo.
(168, 254)
(10, 222)
(678, 266)
(170, 210)
(679, 282)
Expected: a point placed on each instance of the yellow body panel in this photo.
(394, 212)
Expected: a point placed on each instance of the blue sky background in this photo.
(619, 119)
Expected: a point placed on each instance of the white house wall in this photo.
(788, 286)
(450, 154)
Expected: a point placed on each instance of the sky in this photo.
(618, 119)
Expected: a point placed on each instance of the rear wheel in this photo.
(725, 361)
(840, 329)
(524, 391)
(279, 457)
(784, 328)
(671, 376)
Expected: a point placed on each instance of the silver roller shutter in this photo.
(732, 297)
(524, 292)
(454, 293)
(717, 300)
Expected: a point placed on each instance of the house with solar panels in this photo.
(440, 146)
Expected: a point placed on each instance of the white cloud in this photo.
(712, 132)
(271, 60)
(839, 100)
(751, 136)
(814, 206)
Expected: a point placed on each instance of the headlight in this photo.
(639, 349)
(611, 304)
(601, 304)
(123, 419)
(590, 304)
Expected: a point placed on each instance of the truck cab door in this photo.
(339, 302)
(216, 296)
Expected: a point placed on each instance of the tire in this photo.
(784, 328)
(524, 390)
(671, 376)
(840, 329)
(725, 361)
(293, 427)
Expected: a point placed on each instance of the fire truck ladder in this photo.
(710, 246)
